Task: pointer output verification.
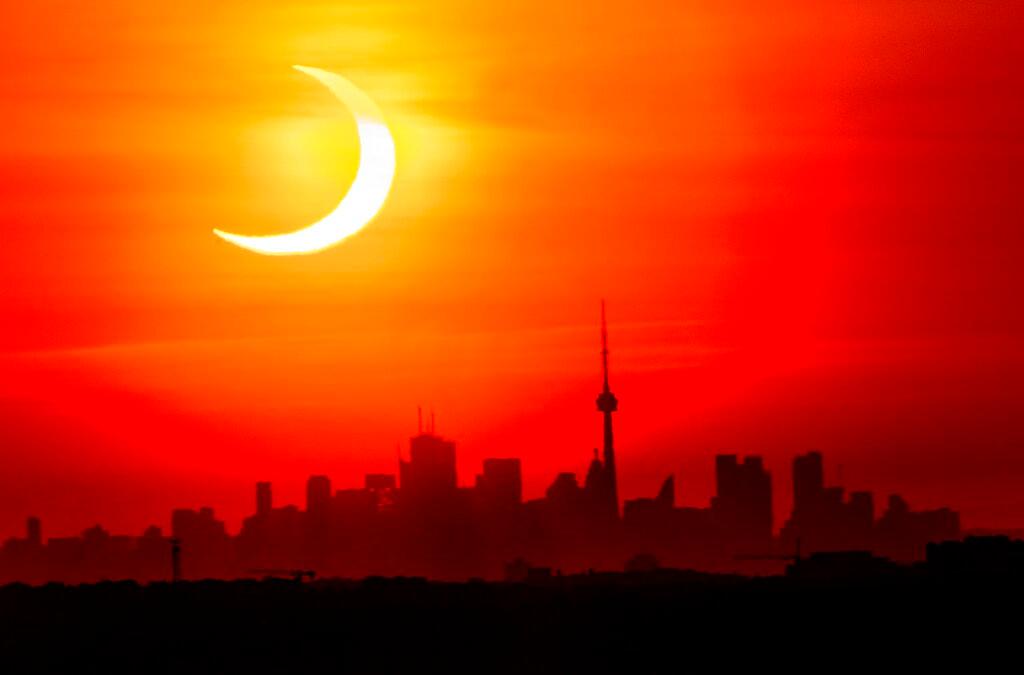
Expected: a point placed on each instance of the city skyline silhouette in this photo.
(306, 364)
(420, 521)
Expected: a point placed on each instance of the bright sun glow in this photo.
(367, 194)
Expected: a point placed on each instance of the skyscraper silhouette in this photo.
(318, 494)
(264, 498)
(34, 531)
(501, 483)
(742, 505)
(808, 482)
(429, 477)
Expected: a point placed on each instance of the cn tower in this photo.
(606, 405)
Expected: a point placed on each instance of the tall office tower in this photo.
(430, 472)
(34, 531)
(318, 494)
(808, 482)
(743, 503)
(264, 498)
(501, 483)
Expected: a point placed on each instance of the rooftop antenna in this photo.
(419, 419)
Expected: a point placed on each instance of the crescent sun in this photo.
(365, 197)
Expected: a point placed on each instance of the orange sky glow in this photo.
(806, 223)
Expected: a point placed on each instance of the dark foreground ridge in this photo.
(827, 611)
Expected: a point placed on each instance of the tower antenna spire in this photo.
(604, 347)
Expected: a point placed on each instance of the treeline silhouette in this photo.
(830, 611)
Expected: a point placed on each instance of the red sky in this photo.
(806, 221)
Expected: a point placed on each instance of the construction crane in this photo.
(296, 575)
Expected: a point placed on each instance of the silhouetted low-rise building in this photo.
(903, 534)
(836, 565)
(977, 556)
